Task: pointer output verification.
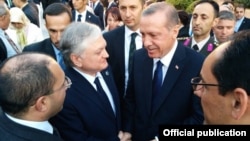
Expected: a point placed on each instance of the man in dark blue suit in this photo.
(32, 90)
(81, 14)
(172, 101)
(57, 18)
(92, 108)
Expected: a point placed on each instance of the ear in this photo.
(240, 102)
(76, 60)
(175, 31)
(215, 22)
(41, 104)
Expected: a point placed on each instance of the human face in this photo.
(79, 5)
(5, 21)
(202, 21)
(17, 25)
(94, 57)
(62, 83)
(130, 11)
(112, 22)
(56, 25)
(239, 13)
(224, 30)
(216, 108)
(156, 37)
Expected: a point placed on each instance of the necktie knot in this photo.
(195, 47)
(133, 35)
(79, 18)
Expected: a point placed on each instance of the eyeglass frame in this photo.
(195, 84)
(66, 84)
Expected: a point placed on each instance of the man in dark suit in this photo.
(159, 90)
(81, 14)
(242, 22)
(57, 18)
(32, 90)
(118, 41)
(203, 19)
(98, 11)
(92, 108)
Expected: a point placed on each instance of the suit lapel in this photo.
(87, 90)
(175, 68)
(147, 71)
(110, 83)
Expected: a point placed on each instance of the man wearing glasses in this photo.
(224, 85)
(32, 90)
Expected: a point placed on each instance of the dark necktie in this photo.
(131, 51)
(102, 93)
(195, 47)
(79, 18)
(157, 82)
(13, 45)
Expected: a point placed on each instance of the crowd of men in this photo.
(81, 83)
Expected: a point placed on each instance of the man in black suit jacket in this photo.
(242, 22)
(99, 11)
(86, 16)
(172, 101)
(57, 18)
(118, 42)
(89, 113)
(32, 90)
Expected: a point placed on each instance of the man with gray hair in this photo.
(224, 29)
(7, 47)
(92, 108)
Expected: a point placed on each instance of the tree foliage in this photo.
(245, 2)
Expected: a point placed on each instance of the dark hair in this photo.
(212, 3)
(55, 9)
(232, 69)
(23, 81)
(184, 17)
(114, 11)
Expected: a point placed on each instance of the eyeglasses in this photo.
(67, 83)
(197, 84)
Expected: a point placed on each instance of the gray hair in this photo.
(226, 15)
(171, 14)
(3, 9)
(76, 38)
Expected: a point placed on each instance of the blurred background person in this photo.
(242, 22)
(7, 47)
(21, 30)
(184, 24)
(113, 19)
(30, 9)
(224, 29)
(32, 90)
